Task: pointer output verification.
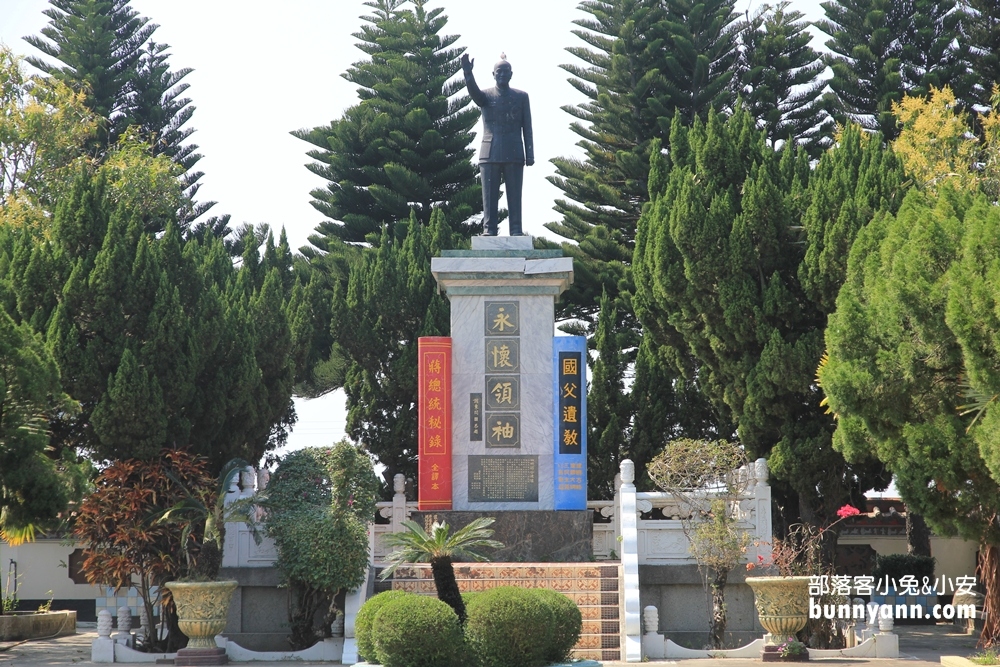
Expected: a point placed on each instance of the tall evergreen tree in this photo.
(608, 409)
(882, 49)
(780, 79)
(162, 341)
(982, 36)
(865, 59)
(104, 49)
(391, 300)
(405, 145)
(717, 269)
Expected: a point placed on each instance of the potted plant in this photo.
(782, 601)
(202, 600)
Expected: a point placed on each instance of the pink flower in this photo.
(847, 511)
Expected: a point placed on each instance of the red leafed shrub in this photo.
(126, 544)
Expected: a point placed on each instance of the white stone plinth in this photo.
(503, 269)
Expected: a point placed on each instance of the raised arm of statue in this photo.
(470, 81)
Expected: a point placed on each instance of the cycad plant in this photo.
(440, 548)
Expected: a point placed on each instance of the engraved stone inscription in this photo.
(503, 355)
(503, 392)
(503, 479)
(502, 318)
(503, 430)
(475, 416)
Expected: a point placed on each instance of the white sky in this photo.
(262, 70)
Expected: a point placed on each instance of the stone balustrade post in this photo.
(630, 563)
(653, 646)
(124, 634)
(103, 648)
(398, 502)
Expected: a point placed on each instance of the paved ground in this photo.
(919, 646)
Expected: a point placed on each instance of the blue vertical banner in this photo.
(570, 398)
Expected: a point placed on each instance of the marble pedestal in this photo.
(502, 295)
(564, 536)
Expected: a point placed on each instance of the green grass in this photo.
(988, 657)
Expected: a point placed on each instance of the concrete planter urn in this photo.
(782, 605)
(202, 609)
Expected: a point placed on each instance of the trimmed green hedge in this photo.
(364, 619)
(567, 622)
(509, 627)
(418, 631)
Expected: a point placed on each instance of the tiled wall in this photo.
(593, 587)
(124, 598)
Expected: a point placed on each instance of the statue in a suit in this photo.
(506, 118)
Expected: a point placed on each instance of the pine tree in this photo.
(33, 488)
(161, 340)
(883, 49)
(648, 60)
(905, 338)
(99, 44)
(391, 301)
(981, 20)
(405, 145)
(780, 79)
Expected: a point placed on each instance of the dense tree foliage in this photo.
(912, 352)
(319, 504)
(405, 145)
(162, 341)
(33, 487)
(103, 49)
(780, 79)
(125, 545)
(391, 300)
(722, 270)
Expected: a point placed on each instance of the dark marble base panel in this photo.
(529, 536)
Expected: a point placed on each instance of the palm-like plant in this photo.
(207, 510)
(440, 548)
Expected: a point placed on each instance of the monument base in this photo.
(529, 536)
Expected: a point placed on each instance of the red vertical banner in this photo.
(434, 432)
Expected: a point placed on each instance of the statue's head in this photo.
(502, 71)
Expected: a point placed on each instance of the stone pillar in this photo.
(103, 648)
(502, 295)
(124, 634)
(653, 646)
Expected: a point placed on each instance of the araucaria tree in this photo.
(103, 49)
(405, 145)
(722, 270)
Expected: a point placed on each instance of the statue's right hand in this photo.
(467, 62)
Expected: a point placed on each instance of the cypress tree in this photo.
(391, 300)
(608, 409)
(717, 269)
(405, 145)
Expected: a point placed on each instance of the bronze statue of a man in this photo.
(506, 117)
